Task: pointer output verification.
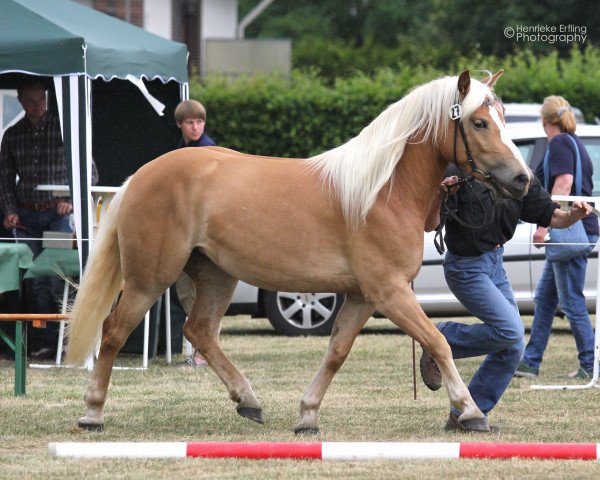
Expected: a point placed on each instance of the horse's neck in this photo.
(418, 176)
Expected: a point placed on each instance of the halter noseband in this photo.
(455, 113)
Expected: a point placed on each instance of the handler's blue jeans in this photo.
(47, 291)
(481, 285)
(561, 283)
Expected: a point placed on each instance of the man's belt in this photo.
(41, 206)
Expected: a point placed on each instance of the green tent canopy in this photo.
(132, 75)
(61, 37)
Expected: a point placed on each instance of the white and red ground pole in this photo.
(351, 451)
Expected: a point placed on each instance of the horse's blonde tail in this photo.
(100, 284)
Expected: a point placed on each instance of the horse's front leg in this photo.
(400, 305)
(351, 318)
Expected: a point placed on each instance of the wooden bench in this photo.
(19, 343)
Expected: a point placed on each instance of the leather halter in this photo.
(456, 115)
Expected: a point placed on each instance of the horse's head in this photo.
(478, 141)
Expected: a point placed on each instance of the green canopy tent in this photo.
(129, 74)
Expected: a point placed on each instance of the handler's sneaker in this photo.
(477, 425)
(525, 371)
(581, 373)
(192, 361)
(430, 373)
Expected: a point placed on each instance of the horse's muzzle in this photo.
(517, 187)
(521, 185)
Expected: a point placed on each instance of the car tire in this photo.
(302, 314)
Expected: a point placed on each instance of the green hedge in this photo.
(529, 78)
(303, 115)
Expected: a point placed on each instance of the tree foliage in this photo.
(340, 36)
(305, 115)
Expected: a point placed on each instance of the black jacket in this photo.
(494, 218)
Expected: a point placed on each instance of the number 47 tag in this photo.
(455, 111)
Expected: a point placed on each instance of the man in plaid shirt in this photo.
(32, 154)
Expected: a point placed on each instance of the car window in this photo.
(521, 118)
(526, 147)
(592, 145)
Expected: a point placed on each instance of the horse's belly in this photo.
(284, 271)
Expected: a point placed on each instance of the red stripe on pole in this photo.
(580, 451)
(260, 450)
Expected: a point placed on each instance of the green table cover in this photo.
(13, 258)
(55, 261)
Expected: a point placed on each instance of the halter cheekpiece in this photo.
(455, 112)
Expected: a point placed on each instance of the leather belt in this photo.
(40, 206)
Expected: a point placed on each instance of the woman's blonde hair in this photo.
(189, 109)
(557, 111)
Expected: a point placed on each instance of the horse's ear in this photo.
(464, 82)
(491, 80)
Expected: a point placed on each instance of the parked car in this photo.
(313, 313)
(530, 112)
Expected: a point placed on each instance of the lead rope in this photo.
(446, 212)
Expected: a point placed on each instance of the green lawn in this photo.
(371, 399)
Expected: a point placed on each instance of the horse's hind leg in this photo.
(214, 289)
(128, 313)
(351, 318)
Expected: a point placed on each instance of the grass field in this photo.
(371, 399)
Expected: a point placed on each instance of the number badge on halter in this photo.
(455, 111)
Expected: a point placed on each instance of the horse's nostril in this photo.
(521, 180)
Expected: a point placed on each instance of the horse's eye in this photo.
(480, 124)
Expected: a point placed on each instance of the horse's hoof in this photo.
(306, 430)
(91, 427)
(251, 413)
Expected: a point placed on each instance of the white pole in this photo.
(61, 329)
(119, 450)
(168, 325)
(146, 339)
(251, 16)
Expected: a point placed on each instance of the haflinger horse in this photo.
(221, 216)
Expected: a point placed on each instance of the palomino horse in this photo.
(221, 215)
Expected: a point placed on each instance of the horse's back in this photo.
(242, 211)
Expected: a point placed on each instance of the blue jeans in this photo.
(36, 223)
(46, 290)
(561, 283)
(481, 285)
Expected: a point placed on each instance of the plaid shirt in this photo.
(37, 156)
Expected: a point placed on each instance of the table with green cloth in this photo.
(55, 261)
(51, 261)
(13, 258)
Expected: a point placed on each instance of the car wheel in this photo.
(296, 314)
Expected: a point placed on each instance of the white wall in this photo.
(219, 19)
(236, 57)
(158, 17)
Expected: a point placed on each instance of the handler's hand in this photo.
(11, 221)
(64, 208)
(579, 210)
(449, 184)
(539, 237)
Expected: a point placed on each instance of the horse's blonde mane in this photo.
(358, 169)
